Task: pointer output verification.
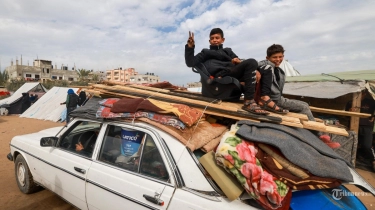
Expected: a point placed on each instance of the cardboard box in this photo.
(227, 183)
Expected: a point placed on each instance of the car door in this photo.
(129, 171)
(66, 167)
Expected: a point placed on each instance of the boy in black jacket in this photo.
(221, 62)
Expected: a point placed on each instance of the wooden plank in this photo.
(286, 118)
(290, 121)
(297, 115)
(340, 112)
(237, 115)
(226, 115)
(94, 92)
(173, 93)
(354, 121)
(150, 88)
(224, 109)
(150, 94)
(290, 117)
(338, 131)
(296, 125)
(317, 126)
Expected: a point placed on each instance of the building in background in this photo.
(100, 75)
(194, 84)
(41, 70)
(131, 76)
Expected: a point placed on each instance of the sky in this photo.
(319, 36)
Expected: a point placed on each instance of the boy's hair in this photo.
(217, 31)
(275, 48)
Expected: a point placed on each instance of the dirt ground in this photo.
(12, 198)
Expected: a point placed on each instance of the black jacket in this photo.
(73, 100)
(216, 59)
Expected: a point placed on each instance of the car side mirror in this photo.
(48, 141)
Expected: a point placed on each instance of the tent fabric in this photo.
(370, 85)
(328, 90)
(48, 107)
(88, 111)
(289, 70)
(27, 87)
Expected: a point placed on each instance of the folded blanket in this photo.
(300, 147)
(133, 105)
(238, 157)
(282, 169)
(187, 115)
(194, 137)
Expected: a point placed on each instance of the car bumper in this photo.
(10, 157)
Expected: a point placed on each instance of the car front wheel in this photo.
(24, 178)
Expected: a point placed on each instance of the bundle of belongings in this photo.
(184, 123)
(271, 160)
(266, 160)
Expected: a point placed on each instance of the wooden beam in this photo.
(224, 109)
(340, 112)
(190, 102)
(354, 121)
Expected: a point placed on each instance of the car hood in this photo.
(51, 131)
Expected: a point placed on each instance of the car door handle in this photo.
(154, 200)
(80, 170)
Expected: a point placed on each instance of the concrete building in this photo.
(41, 70)
(148, 78)
(194, 84)
(131, 76)
(100, 74)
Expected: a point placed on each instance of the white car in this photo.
(86, 164)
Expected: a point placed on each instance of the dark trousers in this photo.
(265, 82)
(68, 110)
(365, 139)
(245, 71)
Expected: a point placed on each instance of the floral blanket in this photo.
(237, 157)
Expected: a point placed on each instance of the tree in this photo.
(3, 77)
(95, 77)
(83, 73)
(14, 84)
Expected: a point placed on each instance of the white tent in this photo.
(289, 69)
(18, 94)
(48, 107)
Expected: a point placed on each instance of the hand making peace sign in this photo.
(190, 41)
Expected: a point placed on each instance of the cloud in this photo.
(319, 36)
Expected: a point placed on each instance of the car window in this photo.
(80, 138)
(132, 150)
(151, 162)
